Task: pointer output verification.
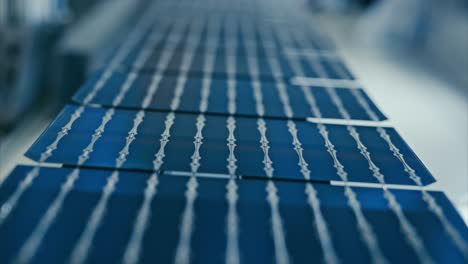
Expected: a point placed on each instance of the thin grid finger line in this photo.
(194, 39)
(183, 249)
(232, 219)
(281, 252)
(231, 63)
(232, 196)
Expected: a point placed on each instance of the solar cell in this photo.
(145, 134)
(149, 221)
(247, 41)
(230, 34)
(243, 70)
(219, 101)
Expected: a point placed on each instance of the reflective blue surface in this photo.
(265, 71)
(214, 151)
(208, 243)
(218, 99)
(246, 178)
(282, 36)
(250, 39)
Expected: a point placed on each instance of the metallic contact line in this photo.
(232, 219)
(81, 250)
(277, 73)
(134, 37)
(133, 249)
(406, 227)
(231, 47)
(313, 200)
(193, 39)
(183, 250)
(281, 251)
(367, 234)
(208, 67)
(322, 229)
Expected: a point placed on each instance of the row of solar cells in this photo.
(210, 238)
(193, 145)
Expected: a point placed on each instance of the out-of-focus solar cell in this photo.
(218, 101)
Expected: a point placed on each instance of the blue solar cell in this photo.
(194, 146)
(208, 243)
(313, 40)
(218, 99)
(247, 40)
(265, 72)
(214, 151)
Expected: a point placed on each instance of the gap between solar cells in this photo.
(315, 120)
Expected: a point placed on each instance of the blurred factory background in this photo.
(47, 48)
(411, 55)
